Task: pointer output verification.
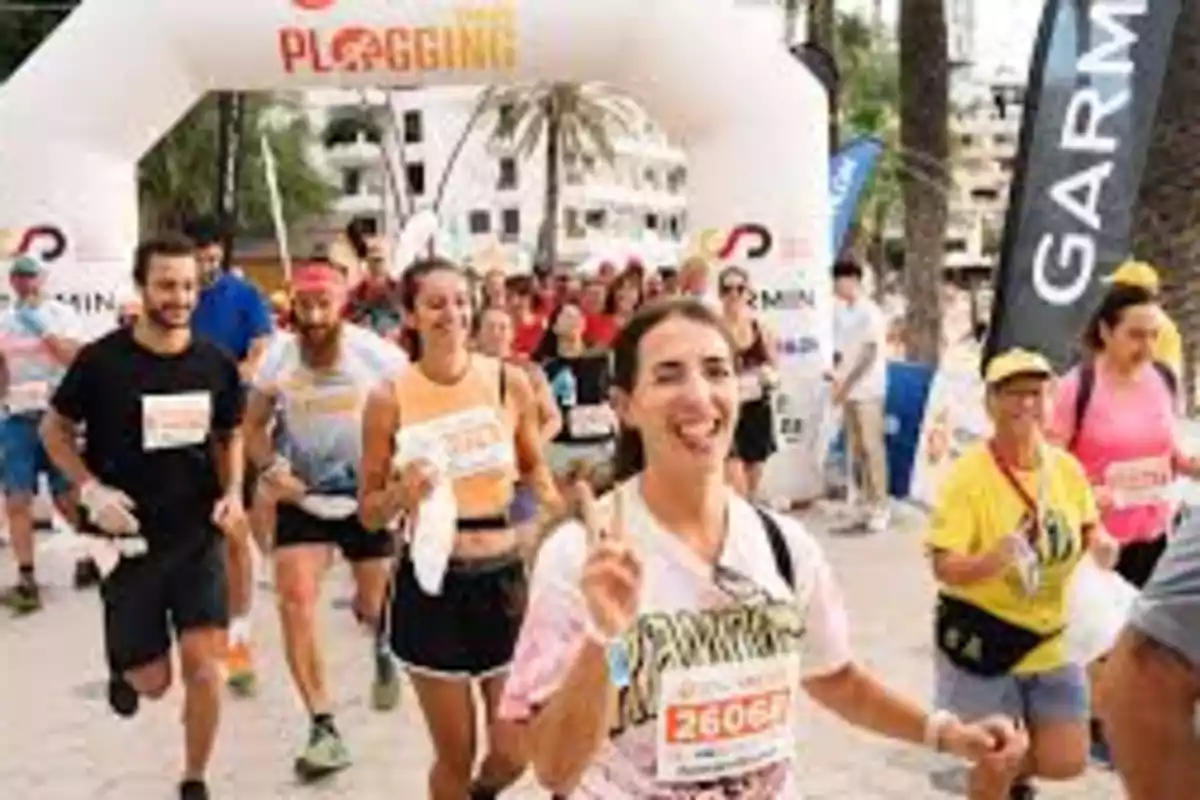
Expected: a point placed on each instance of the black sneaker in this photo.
(193, 790)
(124, 700)
(87, 574)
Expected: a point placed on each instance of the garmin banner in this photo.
(1097, 70)
(849, 173)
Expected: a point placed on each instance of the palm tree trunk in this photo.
(1168, 215)
(791, 16)
(925, 151)
(548, 233)
(822, 32)
(483, 105)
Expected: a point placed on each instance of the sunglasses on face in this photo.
(738, 289)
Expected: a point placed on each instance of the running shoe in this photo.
(193, 790)
(87, 574)
(122, 697)
(239, 668)
(385, 690)
(324, 755)
(23, 598)
(1101, 753)
(1022, 791)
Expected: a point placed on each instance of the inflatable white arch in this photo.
(77, 117)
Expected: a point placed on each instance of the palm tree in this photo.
(1167, 218)
(925, 153)
(575, 120)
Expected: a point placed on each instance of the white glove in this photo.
(110, 509)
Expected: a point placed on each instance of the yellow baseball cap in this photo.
(1014, 363)
(1135, 273)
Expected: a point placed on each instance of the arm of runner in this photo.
(531, 457)
(953, 539)
(228, 412)
(60, 425)
(571, 722)
(549, 415)
(383, 491)
(254, 355)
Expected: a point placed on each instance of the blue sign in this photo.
(849, 172)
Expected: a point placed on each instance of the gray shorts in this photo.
(1168, 610)
(1060, 695)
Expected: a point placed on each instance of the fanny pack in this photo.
(981, 643)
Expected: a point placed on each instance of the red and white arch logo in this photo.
(313, 5)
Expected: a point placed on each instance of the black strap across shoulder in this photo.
(779, 546)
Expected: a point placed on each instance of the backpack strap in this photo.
(503, 383)
(1083, 397)
(779, 546)
(1168, 376)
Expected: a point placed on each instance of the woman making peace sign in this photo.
(670, 632)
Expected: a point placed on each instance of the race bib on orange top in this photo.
(590, 422)
(470, 442)
(175, 420)
(750, 387)
(727, 720)
(27, 397)
(1139, 482)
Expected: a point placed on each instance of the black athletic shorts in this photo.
(470, 630)
(294, 526)
(1137, 560)
(182, 588)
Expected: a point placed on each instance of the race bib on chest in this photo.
(727, 720)
(175, 420)
(331, 401)
(1139, 482)
(471, 442)
(590, 422)
(750, 387)
(28, 396)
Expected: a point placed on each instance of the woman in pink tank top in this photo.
(1116, 412)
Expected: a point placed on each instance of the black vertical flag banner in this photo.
(231, 108)
(1098, 67)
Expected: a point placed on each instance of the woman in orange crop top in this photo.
(481, 415)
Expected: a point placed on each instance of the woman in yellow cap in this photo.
(1014, 517)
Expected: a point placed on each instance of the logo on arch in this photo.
(45, 242)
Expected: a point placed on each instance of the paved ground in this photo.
(59, 742)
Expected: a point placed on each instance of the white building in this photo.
(493, 198)
(960, 31)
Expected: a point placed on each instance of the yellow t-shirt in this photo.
(1169, 348)
(977, 507)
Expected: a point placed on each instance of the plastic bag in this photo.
(1098, 605)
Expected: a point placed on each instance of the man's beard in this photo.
(159, 319)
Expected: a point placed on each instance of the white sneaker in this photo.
(878, 521)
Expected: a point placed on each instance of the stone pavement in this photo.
(58, 741)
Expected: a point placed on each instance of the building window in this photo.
(673, 227)
(594, 218)
(652, 222)
(415, 175)
(572, 222)
(508, 174)
(479, 222)
(506, 120)
(413, 130)
(650, 178)
(510, 225)
(351, 181)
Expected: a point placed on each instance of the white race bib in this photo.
(28, 396)
(474, 441)
(750, 387)
(175, 420)
(727, 720)
(1139, 482)
(590, 422)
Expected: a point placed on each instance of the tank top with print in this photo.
(469, 426)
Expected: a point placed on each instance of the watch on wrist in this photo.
(936, 725)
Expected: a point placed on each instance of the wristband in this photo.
(935, 725)
(616, 653)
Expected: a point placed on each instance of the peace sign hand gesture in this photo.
(612, 574)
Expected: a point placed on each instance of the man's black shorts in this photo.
(181, 588)
(295, 526)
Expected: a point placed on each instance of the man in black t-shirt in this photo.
(160, 482)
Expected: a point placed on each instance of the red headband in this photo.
(318, 278)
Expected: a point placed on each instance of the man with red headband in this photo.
(313, 384)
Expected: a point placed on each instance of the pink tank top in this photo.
(1126, 443)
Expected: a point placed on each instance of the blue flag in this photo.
(849, 172)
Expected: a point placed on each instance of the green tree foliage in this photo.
(21, 31)
(177, 179)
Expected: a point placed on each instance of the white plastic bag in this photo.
(1098, 605)
(434, 527)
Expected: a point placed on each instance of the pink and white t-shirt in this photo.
(716, 657)
(1126, 443)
